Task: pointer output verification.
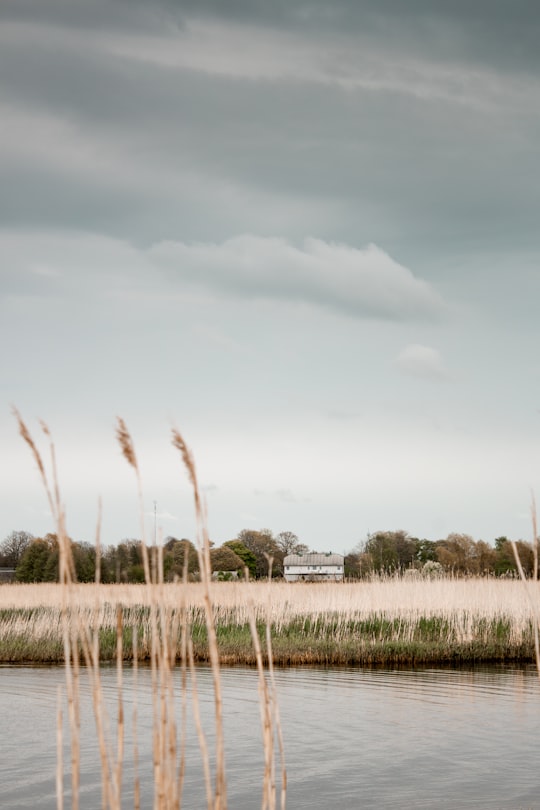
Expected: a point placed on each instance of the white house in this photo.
(313, 567)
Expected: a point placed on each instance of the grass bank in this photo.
(386, 622)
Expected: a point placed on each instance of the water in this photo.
(354, 738)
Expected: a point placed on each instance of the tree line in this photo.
(36, 559)
(390, 552)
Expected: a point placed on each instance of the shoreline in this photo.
(35, 637)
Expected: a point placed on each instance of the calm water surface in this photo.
(354, 738)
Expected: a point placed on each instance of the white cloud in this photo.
(360, 282)
(422, 361)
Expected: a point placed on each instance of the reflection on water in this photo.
(354, 738)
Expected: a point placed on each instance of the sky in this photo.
(303, 233)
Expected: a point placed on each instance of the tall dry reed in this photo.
(530, 588)
(168, 637)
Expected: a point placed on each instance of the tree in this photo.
(390, 551)
(38, 561)
(485, 557)
(352, 565)
(526, 557)
(246, 555)
(13, 547)
(426, 551)
(117, 561)
(505, 562)
(288, 543)
(225, 559)
(458, 554)
(84, 560)
(51, 572)
(174, 552)
(263, 546)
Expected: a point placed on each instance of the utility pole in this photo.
(155, 524)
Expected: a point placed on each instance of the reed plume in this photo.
(168, 638)
(203, 551)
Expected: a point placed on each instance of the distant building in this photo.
(313, 567)
(7, 575)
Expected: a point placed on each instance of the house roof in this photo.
(313, 559)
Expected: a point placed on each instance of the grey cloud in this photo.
(490, 31)
(360, 283)
(161, 152)
(70, 273)
(98, 15)
(45, 198)
(406, 185)
(422, 361)
(33, 60)
(74, 77)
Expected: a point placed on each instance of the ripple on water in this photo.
(354, 738)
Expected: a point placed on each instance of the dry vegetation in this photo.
(387, 620)
(165, 631)
(393, 597)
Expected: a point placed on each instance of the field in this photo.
(382, 621)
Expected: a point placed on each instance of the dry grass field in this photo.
(282, 602)
(393, 620)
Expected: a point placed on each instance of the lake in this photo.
(354, 738)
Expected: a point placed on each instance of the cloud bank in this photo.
(359, 282)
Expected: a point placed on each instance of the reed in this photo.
(85, 629)
(384, 620)
(532, 587)
(282, 602)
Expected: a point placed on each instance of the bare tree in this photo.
(13, 547)
(287, 541)
(289, 544)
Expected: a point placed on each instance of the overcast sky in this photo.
(304, 233)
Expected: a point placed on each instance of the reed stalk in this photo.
(526, 584)
(203, 551)
(167, 635)
(136, 779)
(59, 753)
